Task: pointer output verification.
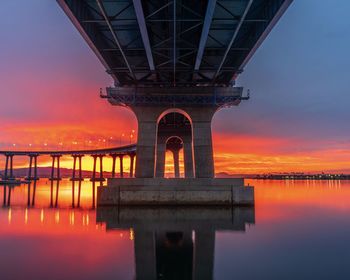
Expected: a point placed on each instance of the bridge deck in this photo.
(174, 42)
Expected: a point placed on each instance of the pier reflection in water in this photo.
(298, 230)
(175, 243)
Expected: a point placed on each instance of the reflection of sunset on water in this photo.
(273, 198)
(66, 235)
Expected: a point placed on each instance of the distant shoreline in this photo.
(45, 172)
(303, 177)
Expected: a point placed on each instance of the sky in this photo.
(296, 120)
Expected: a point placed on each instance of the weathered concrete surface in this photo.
(160, 191)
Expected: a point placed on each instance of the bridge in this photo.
(174, 64)
(77, 155)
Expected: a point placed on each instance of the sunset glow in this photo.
(53, 97)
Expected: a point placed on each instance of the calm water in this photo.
(298, 230)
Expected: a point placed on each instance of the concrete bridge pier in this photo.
(192, 126)
(94, 178)
(161, 150)
(199, 145)
(77, 160)
(132, 160)
(121, 166)
(11, 168)
(176, 164)
(174, 145)
(188, 157)
(56, 176)
(8, 174)
(114, 158)
(74, 178)
(33, 164)
(6, 166)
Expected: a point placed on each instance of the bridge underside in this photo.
(174, 42)
(176, 57)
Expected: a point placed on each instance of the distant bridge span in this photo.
(122, 150)
(77, 155)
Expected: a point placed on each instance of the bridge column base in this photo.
(176, 191)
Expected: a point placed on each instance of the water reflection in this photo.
(301, 231)
(175, 243)
(53, 193)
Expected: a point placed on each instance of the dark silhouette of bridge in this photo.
(77, 155)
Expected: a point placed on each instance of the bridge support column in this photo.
(74, 166)
(6, 166)
(94, 168)
(114, 157)
(161, 149)
(80, 169)
(36, 168)
(199, 149)
(73, 179)
(131, 172)
(188, 157)
(101, 168)
(176, 164)
(175, 149)
(121, 166)
(58, 171)
(203, 149)
(146, 143)
(11, 168)
(94, 177)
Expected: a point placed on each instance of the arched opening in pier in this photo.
(174, 135)
(174, 164)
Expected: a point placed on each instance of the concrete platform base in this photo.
(162, 191)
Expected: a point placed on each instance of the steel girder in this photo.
(213, 97)
(174, 42)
